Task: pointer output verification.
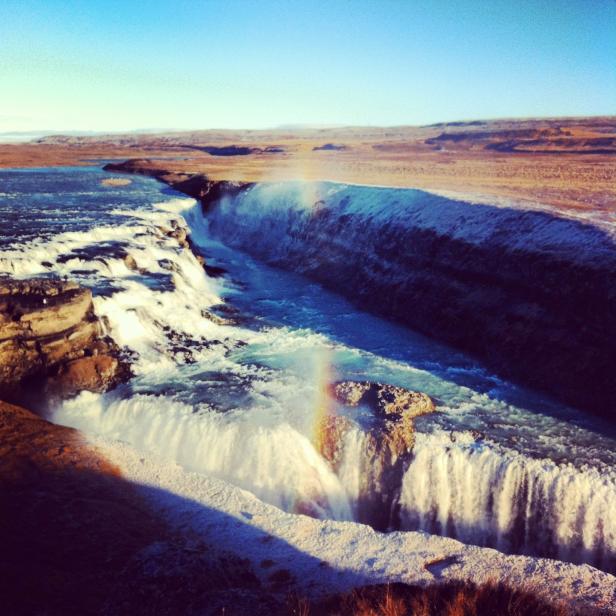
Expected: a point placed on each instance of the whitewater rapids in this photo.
(496, 466)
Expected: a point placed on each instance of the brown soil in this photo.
(69, 523)
(566, 163)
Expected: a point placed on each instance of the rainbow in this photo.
(324, 376)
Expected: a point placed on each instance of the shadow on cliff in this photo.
(89, 544)
(529, 294)
(76, 538)
(84, 543)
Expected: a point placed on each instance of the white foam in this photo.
(325, 556)
(486, 496)
(275, 461)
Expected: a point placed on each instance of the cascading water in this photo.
(485, 496)
(495, 465)
(276, 462)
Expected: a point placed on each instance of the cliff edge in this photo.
(52, 345)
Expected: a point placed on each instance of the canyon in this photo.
(207, 380)
(531, 293)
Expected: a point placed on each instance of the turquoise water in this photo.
(496, 465)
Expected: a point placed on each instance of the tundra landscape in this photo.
(355, 360)
(562, 162)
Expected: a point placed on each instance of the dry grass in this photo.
(451, 599)
(400, 156)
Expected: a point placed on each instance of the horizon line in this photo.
(291, 127)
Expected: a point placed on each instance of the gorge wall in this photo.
(530, 293)
(52, 344)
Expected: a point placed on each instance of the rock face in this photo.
(194, 185)
(386, 446)
(529, 293)
(52, 343)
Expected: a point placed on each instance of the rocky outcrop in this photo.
(394, 409)
(386, 443)
(52, 344)
(388, 401)
(194, 185)
(176, 232)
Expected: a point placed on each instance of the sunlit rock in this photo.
(385, 446)
(51, 342)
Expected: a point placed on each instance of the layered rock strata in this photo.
(387, 440)
(52, 345)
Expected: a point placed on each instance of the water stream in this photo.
(231, 373)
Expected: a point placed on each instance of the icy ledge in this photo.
(324, 557)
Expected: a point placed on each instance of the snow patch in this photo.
(325, 556)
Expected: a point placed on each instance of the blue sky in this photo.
(121, 65)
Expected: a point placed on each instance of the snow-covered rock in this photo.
(321, 557)
(530, 292)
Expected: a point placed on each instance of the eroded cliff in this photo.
(52, 345)
(530, 293)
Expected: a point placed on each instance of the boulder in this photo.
(51, 342)
(96, 373)
(131, 263)
(169, 265)
(386, 443)
(180, 234)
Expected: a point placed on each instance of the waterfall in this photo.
(275, 462)
(498, 498)
(239, 402)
